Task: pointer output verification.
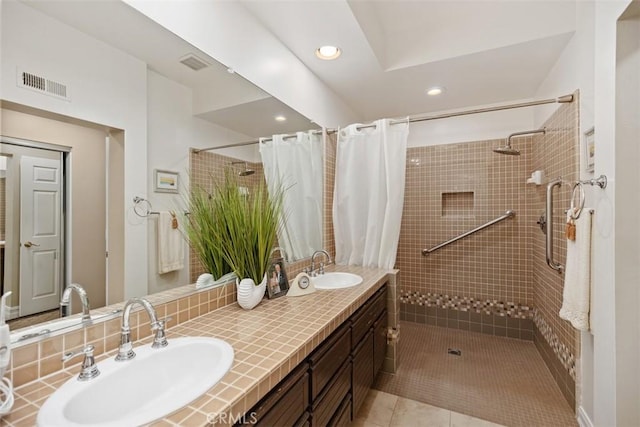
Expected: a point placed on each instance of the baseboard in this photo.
(13, 312)
(583, 418)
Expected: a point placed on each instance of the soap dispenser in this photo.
(537, 177)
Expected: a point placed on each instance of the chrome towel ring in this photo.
(577, 201)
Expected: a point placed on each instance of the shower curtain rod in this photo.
(560, 100)
(242, 144)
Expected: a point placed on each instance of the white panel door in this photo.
(40, 234)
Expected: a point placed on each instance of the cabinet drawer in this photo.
(304, 421)
(380, 302)
(342, 418)
(379, 342)
(362, 376)
(324, 408)
(285, 404)
(364, 318)
(329, 357)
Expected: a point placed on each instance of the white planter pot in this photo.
(250, 295)
(204, 280)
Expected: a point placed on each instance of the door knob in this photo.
(29, 244)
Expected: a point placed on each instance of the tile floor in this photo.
(502, 380)
(382, 409)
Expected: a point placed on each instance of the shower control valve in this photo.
(542, 222)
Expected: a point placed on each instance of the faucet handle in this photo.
(89, 368)
(160, 338)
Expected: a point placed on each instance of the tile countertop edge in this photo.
(265, 352)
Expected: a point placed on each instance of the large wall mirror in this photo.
(185, 100)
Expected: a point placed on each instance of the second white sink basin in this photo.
(336, 280)
(135, 392)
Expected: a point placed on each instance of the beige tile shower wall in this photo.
(556, 153)
(330, 147)
(206, 170)
(451, 189)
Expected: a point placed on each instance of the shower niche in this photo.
(459, 204)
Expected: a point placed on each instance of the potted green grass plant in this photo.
(246, 227)
(199, 230)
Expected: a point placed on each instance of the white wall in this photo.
(605, 284)
(589, 64)
(230, 34)
(107, 86)
(172, 129)
(627, 233)
(575, 70)
(476, 127)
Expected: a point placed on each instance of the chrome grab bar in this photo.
(507, 214)
(549, 211)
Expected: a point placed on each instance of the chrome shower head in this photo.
(246, 171)
(508, 150)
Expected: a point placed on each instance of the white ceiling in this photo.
(481, 51)
(220, 97)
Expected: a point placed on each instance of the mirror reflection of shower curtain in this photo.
(297, 163)
(369, 193)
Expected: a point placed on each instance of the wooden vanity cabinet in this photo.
(327, 359)
(362, 378)
(286, 404)
(368, 346)
(329, 387)
(380, 341)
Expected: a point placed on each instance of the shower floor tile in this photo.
(501, 380)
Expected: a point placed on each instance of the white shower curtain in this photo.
(369, 193)
(297, 164)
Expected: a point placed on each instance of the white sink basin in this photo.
(135, 392)
(336, 280)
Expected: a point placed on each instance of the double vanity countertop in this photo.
(268, 341)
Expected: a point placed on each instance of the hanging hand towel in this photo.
(170, 244)
(577, 278)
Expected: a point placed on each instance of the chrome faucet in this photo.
(89, 368)
(125, 352)
(320, 271)
(84, 299)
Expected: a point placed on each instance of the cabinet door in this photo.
(379, 342)
(328, 403)
(362, 378)
(286, 403)
(328, 358)
(343, 416)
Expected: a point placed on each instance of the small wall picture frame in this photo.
(277, 281)
(589, 149)
(166, 181)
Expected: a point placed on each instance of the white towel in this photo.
(577, 278)
(170, 245)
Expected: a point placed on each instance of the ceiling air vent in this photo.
(43, 85)
(193, 62)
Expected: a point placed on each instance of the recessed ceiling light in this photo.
(328, 52)
(435, 91)
(280, 118)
